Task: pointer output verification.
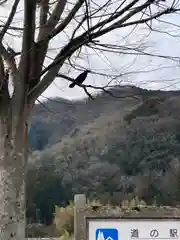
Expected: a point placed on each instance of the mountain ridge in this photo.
(69, 115)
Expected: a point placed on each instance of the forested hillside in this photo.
(111, 148)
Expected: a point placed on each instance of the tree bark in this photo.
(13, 164)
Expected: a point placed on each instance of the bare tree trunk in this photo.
(13, 163)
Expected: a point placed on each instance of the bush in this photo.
(133, 203)
(64, 219)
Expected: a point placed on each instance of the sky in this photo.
(143, 71)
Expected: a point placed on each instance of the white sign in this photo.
(134, 229)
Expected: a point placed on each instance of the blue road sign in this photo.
(107, 234)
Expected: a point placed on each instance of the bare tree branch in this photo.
(67, 51)
(28, 40)
(83, 39)
(12, 28)
(44, 9)
(53, 20)
(3, 1)
(10, 18)
(46, 27)
(48, 30)
(10, 61)
(2, 73)
(115, 15)
(76, 8)
(80, 85)
(78, 26)
(22, 79)
(66, 21)
(122, 20)
(4, 91)
(87, 18)
(129, 51)
(44, 106)
(104, 88)
(120, 24)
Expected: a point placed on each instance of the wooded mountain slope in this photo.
(127, 145)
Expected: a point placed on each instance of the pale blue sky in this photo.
(157, 73)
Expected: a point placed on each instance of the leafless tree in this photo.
(23, 77)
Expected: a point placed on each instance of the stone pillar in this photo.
(79, 217)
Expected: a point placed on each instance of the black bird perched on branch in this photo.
(80, 79)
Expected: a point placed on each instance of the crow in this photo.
(80, 79)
